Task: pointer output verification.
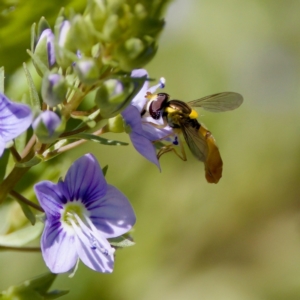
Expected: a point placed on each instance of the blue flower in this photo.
(82, 212)
(143, 130)
(44, 45)
(54, 89)
(46, 126)
(15, 118)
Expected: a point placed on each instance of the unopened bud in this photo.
(48, 126)
(44, 49)
(54, 89)
(87, 71)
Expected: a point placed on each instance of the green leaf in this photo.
(98, 139)
(33, 37)
(104, 170)
(22, 236)
(30, 163)
(42, 25)
(41, 283)
(2, 80)
(89, 120)
(33, 289)
(35, 101)
(121, 242)
(3, 164)
(40, 66)
(55, 294)
(27, 212)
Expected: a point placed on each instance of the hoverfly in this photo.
(183, 119)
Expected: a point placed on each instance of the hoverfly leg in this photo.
(169, 148)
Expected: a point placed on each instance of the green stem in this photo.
(24, 249)
(72, 145)
(15, 153)
(24, 200)
(10, 181)
(29, 146)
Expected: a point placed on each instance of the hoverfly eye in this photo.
(157, 105)
(165, 95)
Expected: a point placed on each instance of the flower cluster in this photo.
(91, 83)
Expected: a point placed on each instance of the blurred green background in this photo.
(239, 239)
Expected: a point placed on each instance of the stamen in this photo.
(95, 239)
(95, 230)
(162, 82)
(160, 85)
(93, 243)
(175, 142)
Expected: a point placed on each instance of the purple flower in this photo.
(54, 89)
(44, 45)
(15, 118)
(46, 126)
(82, 212)
(145, 130)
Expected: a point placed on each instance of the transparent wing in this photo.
(219, 102)
(195, 141)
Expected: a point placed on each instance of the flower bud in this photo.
(115, 124)
(44, 49)
(112, 30)
(81, 35)
(87, 71)
(48, 126)
(64, 51)
(97, 12)
(111, 97)
(135, 53)
(54, 89)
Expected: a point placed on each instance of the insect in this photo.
(183, 119)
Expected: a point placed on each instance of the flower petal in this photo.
(144, 147)
(50, 120)
(113, 214)
(50, 197)
(93, 257)
(85, 180)
(2, 146)
(15, 118)
(58, 248)
(140, 100)
(142, 144)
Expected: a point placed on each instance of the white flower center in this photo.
(75, 217)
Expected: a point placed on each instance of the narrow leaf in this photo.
(41, 67)
(27, 212)
(30, 163)
(33, 37)
(104, 170)
(3, 164)
(35, 101)
(55, 294)
(98, 139)
(22, 236)
(121, 242)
